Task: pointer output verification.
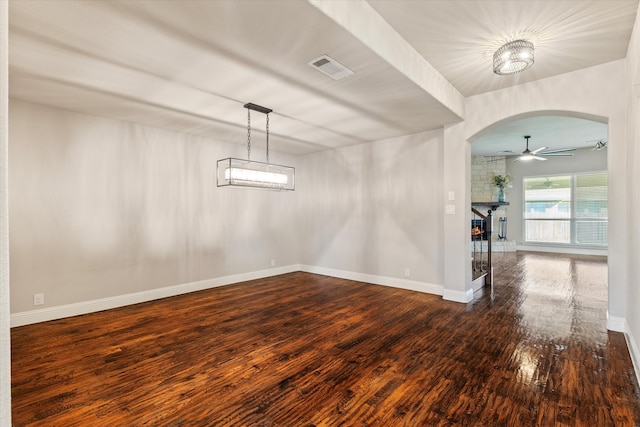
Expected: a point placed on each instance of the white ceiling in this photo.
(459, 37)
(190, 66)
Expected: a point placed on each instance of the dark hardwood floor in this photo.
(308, 350)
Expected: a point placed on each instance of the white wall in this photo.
(593, 93)
(632, 91)
(101, 208)
(456, 179)
(583, 160)
(375, 209)
(5, 335)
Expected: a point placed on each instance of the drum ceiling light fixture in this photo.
(513, 57)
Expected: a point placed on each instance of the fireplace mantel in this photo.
(492, 205)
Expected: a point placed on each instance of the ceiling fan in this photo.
(539, 153)
(600, 144)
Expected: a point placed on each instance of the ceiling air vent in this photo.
(329, 66)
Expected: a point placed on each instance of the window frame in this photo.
(572, 220)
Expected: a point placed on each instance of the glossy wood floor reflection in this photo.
(308, 350)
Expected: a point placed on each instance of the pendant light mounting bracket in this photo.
(258, 108)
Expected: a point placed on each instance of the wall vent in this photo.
(329, 66)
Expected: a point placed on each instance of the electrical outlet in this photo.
(38, 299)
(407, 272)
(273, 263)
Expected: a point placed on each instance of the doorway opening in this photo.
(563, 218)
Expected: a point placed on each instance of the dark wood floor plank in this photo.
(308, 350)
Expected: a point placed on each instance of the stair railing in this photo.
(481, 230)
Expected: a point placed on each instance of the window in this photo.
(567, 209)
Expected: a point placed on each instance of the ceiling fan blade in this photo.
(556, 154)
(539, 158)
(560, 150)
(534, 152)
(517, 159)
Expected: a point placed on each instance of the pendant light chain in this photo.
(267, 137)
(248, 134)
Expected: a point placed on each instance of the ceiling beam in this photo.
(364, 23)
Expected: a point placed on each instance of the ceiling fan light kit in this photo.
(600, 145)
(233, 172)
(538, 153)
(513, 57)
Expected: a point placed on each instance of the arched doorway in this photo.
(497, 151)
(562, 95)
(557, 203)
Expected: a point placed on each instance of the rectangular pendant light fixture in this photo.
(245, 173)
(233, 172)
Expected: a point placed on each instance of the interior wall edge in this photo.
(86, 307)
(5, 332)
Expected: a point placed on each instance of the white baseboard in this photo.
(412, 285)
(619, 324)
(563, 250)
(458, 296)
(633, 351)
(616, 324)
(85, 307)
